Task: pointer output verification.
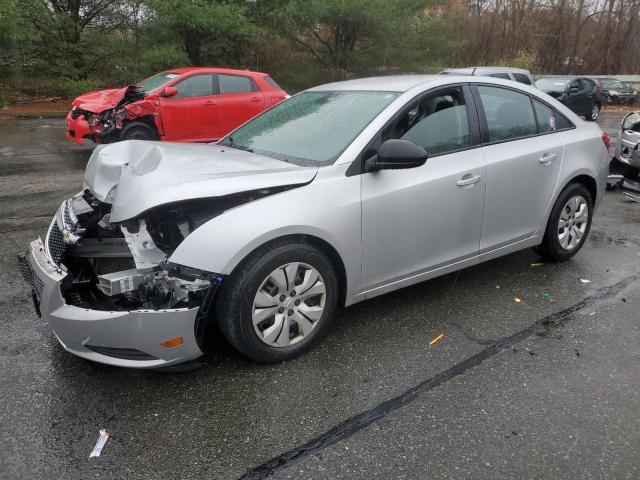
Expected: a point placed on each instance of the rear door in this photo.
(192, 113)
(523, 154)
(238, 101)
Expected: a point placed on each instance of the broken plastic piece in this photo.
(585, 281)
(614, 181)
(517, 299)
(632, 198)
(631, 185)
(436, 340)
(547, 297)
(102, 440)
(537, 264)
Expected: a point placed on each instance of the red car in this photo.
(191, 104)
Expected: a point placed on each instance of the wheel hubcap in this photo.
(289, 304)
(594, 112)
(573, 222)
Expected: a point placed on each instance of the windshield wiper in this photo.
(228, 142)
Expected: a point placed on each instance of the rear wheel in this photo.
(138, 131)
(569, 223)
(279, 301)
(595, 112)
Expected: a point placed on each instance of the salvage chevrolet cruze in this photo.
(343, 192)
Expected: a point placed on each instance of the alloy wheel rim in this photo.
(289, 304)
(572, 225)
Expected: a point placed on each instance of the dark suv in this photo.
(578, 93)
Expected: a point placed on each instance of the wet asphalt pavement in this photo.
(540, 389)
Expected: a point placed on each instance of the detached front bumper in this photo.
(126, 339)
(77, 128)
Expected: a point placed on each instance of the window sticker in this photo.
(552, 122)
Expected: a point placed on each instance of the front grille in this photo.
(29, 276)
(55, 243)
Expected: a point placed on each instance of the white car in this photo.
(341, 193)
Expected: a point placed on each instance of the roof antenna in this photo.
(474, 71)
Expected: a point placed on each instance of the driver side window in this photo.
(438, 122)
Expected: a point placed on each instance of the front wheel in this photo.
(138, 131)
(595, 113)
(279, 301)
(569, 223)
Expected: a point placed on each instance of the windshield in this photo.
(552, 84)
(615, 84)
(151, 83)
(311, 128)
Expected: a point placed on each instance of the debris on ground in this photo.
(536, 264)
(547, 297)
(517, 299)
(631, 185)
(633, 198)
(614, 181)
(436, 340)
(585, 281)
(102, 440)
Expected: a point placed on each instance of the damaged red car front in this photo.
(101, 116)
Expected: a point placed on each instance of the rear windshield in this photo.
(151, 83)
(553, 84)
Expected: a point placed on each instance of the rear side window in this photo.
(546, 117)
(195, 86)
(562, 123)
(522, 78)
(272, 82)
(509, 114)
(500, 75)
(587, 85)
(235, 84)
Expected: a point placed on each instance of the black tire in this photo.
(234, 301)
(550, 247)
(138, 131)
(593, 116)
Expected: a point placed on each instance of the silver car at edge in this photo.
(339, 194)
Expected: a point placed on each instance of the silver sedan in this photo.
(339, 194)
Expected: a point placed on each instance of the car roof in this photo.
(478, 70)
(230, 71)
(391, 83)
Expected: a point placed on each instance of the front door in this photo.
(523, 155)
(192, 114)
(418, 219)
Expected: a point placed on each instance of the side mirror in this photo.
(395, 155)
(573, 90)
(169, 92)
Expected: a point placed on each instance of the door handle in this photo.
(255, 99)
(209, 103)
(468, 179)
(547, 158)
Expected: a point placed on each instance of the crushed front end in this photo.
(101, 117)
(628, 146)
(109, 292)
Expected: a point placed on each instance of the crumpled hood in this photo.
(137, 175)
(100, 100)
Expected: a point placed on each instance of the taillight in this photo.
(606, 140)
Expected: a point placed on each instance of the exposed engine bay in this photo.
(123, 266)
